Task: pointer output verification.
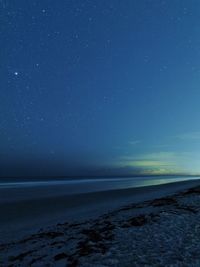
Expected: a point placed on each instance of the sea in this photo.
(85, 185)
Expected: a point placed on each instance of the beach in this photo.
(144, 226)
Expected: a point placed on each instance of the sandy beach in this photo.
(100, 133)
(128, 227)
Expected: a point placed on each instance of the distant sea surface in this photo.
(85, 185)
(27, 204)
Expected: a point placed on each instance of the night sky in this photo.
(99, 87)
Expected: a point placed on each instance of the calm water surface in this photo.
(72, 186)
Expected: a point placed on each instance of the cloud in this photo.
(161, 146)
(189, 136)
(155, 163)
(166, 155)
(149, 163)
(134, 142)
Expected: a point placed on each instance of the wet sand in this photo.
(158, 226)
(25, 216)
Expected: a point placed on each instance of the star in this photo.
(16, 73)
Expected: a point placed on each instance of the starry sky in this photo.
(91, 87)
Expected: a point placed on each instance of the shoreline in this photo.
(24, 217)
(158, 230)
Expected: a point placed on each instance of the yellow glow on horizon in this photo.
(148, 163)
(158, 163)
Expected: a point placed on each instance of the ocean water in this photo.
(29, 204)
(84, 185)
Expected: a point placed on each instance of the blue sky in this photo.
(100, 87)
